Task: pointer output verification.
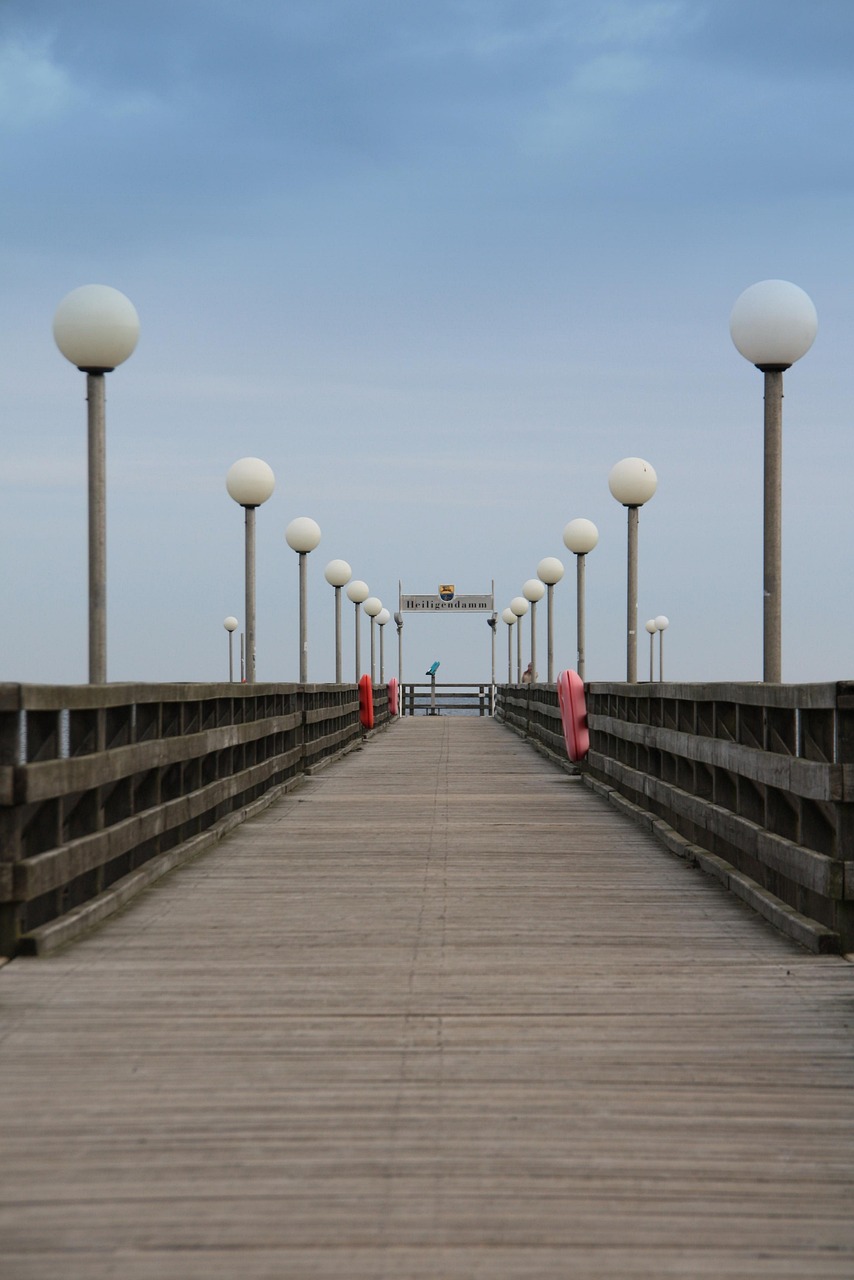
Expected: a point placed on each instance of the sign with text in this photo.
(442, 604)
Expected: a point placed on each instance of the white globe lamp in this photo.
(96, 327)
(773, 324)
(632, 482)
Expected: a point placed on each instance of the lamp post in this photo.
(662, 622)
(338, 573)
(580, 537)
(303, 535)
(382, 618)
(398, 622)
(509, 617)
(373, 608)
(250, 482)
(358, 592)
(492, 623)
(533, 591)
(773, 324)
(231, 624)
(550, 571)
(651, 628)
(96, 328)
(519, 605)
(632, 482)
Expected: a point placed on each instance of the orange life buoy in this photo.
(366, 703)
(392, 696)
(573, 714)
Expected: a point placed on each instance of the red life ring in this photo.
(366, 703)
(573, 714)
(392, 696)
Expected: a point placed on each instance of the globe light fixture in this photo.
(373, 608)
(550, 571)
(231, 624)
(338, 573)
(651, 628)
(508, 616)
(382, 618)
(303, 535)
(358, 592)
(250, 482)
(773, 324)
(97, 328)
(520, 607)
(632, 482)
(580, 537)
(533, 590)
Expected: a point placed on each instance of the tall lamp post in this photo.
(96, 328)
(651, 627)
(773, 324)
(550, 571)
(662, 622)
(338, 573)
(533, 591)
(250, 482)
(373, 608)
(580, 537)
(303, 535)
(632, 482)
(492, 623)
(231, 624)
(508, 616)
(382, 618)
(519, 605)
(398, 622)
(358, 591)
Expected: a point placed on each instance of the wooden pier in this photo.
(438, 1013)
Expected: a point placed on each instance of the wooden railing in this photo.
(449, 699)
(105, 787)
(754, 782)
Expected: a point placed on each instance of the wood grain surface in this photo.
(441, 1012)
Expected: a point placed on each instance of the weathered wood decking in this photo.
(439, 1013)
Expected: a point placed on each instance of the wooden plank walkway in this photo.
(441, 1013)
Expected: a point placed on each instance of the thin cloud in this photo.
(33, 86)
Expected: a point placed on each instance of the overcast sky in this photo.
(441, 265)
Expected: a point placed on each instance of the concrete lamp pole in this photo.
(550, 571)
(492, 623)
(662, 622)
(231, 624)
(338, 573)
(398, 622)
(358, 593)
(580, 537)
(373, 608)
(96, 328)
(651, 628)
(519, 605)
(632, 482)
(773, 324)
(509, 617)
(250, 482)
(303, 535)
(533, 591)
(382, 618)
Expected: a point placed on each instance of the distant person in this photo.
(527, 675)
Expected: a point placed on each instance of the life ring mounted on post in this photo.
(366, 703)
(573, 714)
(392, 696)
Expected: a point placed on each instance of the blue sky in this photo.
(441, 265)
